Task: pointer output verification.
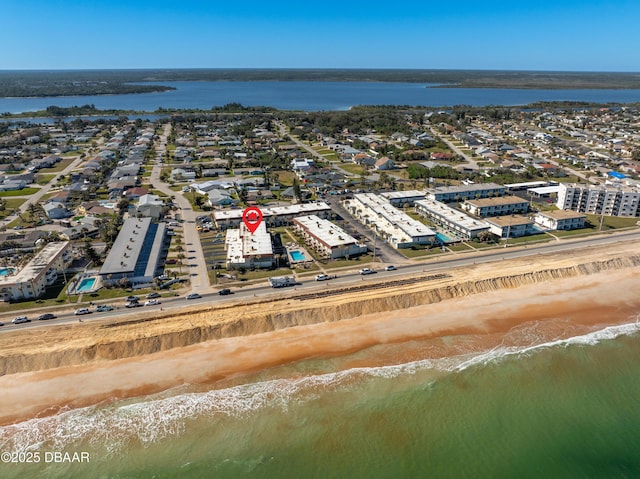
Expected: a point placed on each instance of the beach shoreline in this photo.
(249, 346)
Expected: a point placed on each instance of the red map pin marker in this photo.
(252, 217)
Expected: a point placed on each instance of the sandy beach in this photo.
(253, 337)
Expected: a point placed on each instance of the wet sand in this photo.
(585, 301)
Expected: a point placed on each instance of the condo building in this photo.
(609, 200)
(452, 220)
(328, 239)
(388, 222)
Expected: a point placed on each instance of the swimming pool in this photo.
(443, 238)
(7, 271)
(297, 256)
(86, 284)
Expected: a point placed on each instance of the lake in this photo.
(315, 96)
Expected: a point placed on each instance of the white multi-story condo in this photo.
(609, 200)
(454, 221)
(465, 192)
(500, 206)
(274, 215)
(329, 240)
(31, 281)
(393, 225)
(560, 219)
(249, 250)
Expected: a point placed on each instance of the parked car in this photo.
(132, 298)
(82, 311)
(163, 277)
(366, 271)
(132, 304)
(20, 320)
(1, 323)
(193, 296)
(390, 268)
(153, 294)
(45, 316)
(322, 277)
(104, 307)
(224, 292)
(152, 302)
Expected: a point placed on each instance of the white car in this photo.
(390, 268)
(21, 319)
(366, 271)
(152, 302)
(81, 311)
(322, 277)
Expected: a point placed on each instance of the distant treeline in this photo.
(44, 84)
(83, 82)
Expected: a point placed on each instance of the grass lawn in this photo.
(582, 231)
(61, 165)
(420, 253)
(44, 179)
(261, 273)
(69, 154)
(359, 261)
(612, 222)
(22, 192)
(353, 168)
(540, 238)
(285, 178)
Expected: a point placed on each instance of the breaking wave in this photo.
(150, 419)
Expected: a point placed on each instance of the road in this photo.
(263, 291)
(196, 264)
(37, 196)
(471, 163)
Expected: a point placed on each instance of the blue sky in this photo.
(538, 35)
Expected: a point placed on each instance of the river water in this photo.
(315, 96)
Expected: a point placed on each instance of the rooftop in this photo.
(497, 201)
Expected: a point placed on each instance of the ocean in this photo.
(547, 399)
(315, 96)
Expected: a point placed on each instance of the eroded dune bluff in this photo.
(55, 346)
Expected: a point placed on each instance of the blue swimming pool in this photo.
(297, 256)
(443, 238)
(86, 284)
(7, 271)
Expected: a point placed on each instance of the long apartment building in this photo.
(393, 225)
(454, 221)
(274, 215)
(327, 238)
(609, 200)
(447, 194)
(498, 206)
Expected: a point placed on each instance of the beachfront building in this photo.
(498, 206)
(273, 216)
(249, 250)
(388, 222)
(453, 221)
(402, 198)
(31, 281)
(609, 200)
(329, 240)
(448, 194)
(512, 226)
(138, 252)
(560, 219)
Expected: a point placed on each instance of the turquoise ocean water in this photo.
(547, 399)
